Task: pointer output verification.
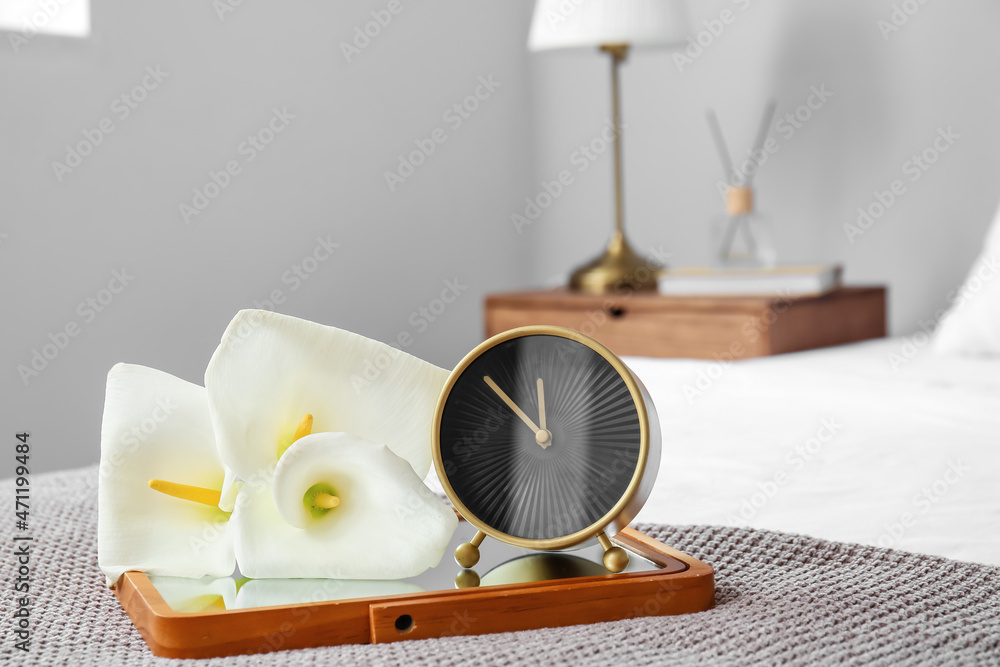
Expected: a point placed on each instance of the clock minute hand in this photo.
(511, 404)
(542, 436)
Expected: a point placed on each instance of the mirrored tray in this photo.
(510, 589)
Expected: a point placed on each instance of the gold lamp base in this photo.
(618, 268)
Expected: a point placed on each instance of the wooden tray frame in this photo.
(469, 611)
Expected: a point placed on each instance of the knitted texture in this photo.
(781, 599)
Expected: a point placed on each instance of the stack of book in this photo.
(776, 281)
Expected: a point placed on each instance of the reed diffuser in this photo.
(742, 236)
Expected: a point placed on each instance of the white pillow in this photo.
(972, 324)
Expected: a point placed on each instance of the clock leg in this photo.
(467, 553)
(466, 579)
(615, 558)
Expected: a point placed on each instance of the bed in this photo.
(883, 443)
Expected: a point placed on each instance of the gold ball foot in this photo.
(615, 559)
(467, 554)
(467, 579)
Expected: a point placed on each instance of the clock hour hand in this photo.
(542, 437)
(541, 405)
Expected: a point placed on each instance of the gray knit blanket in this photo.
(780, 599)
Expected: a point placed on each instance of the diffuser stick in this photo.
(762, 132)
(720, 146)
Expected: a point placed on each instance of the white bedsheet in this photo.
(836, 444)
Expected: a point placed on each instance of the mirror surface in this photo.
(499, 564)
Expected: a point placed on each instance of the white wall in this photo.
(321, 176)
(889, 97)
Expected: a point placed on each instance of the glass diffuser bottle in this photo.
(742, 237)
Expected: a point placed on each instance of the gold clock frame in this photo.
(623, 511)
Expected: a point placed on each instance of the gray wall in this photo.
(323, 175)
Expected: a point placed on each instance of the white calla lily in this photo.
(157, 436)
(270, 370)
(272, 592)
(340, 507)
(230, 487)
(193, 596)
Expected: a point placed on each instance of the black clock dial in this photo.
(539, 462)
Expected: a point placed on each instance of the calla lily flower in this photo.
(324, 434)
(275, 385)
(193, 596)
(161, 480)
(340, 507)
(271, 372)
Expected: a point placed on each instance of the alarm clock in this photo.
(544, 439)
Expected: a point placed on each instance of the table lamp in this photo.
(613, 26)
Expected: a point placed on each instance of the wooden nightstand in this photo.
(652, 325)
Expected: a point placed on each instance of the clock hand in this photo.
(510, 404)
(541, 405)
(541, 437)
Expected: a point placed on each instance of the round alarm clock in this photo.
(544, 439)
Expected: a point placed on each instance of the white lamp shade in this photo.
(560, 24)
